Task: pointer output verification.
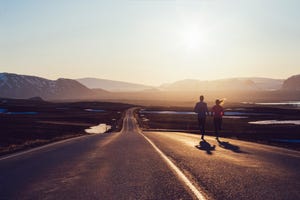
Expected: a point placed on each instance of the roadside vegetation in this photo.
(29, 123)
(235, 126)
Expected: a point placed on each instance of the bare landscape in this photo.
(272, 124)
(150, 100)
(30, 123)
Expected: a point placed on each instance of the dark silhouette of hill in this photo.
(36, 99)
(23, 87)
(234, 90)
(292, 83)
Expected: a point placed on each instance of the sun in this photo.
(192, 37)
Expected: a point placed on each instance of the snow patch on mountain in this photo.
(23, 86)
(3, 79)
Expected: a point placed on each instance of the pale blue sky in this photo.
(150, 41)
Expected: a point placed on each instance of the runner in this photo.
(217, 112)
(202, 110)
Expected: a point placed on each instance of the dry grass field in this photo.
(26, 123)
(235, 123)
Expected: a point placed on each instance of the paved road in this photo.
(231, 169)
(151, 165)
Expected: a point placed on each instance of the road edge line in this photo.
(43, 147)
(176, 170)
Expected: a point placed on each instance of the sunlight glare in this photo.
(193, 37)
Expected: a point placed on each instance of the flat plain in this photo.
(29, 123)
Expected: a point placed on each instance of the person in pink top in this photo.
(217, 111)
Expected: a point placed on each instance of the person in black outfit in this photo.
(202, 110)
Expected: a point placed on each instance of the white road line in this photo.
(51, 144)
(42, 147)
(178, 172)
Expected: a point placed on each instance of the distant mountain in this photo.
(22, 86)
(236, 89)
(35, 99)
(266, 83)
(292, 83)
(114, 86)
(251, 84)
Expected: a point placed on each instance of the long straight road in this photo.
(132, 164)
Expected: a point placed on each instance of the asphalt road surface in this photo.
(132, 164)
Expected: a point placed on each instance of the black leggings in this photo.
(201, 121)
(218, 125)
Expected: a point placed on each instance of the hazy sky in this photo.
(150, 41)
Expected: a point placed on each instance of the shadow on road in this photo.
(227, 145)
(205, 146)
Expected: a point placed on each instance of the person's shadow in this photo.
(227, 145)
(205, 146)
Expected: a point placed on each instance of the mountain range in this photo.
(292, 83)
(114, 86)
(188, 84)
(226, 84)
(23, 86)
